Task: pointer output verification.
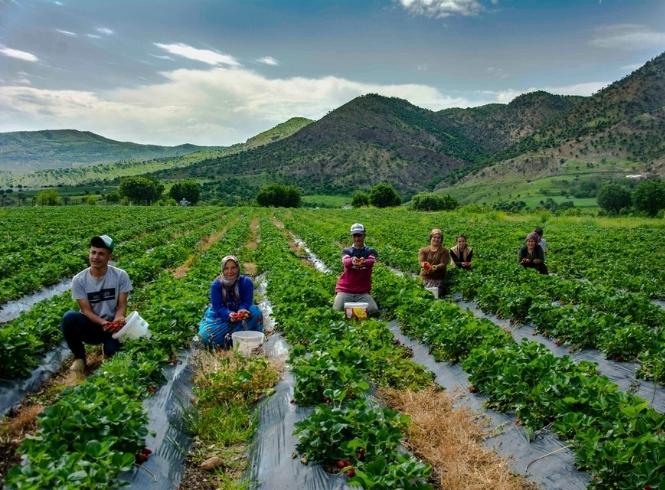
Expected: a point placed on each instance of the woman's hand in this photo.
(426, 266)
(236, 316)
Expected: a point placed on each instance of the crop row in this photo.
(615, 435)
(334, 362)
(607, 253)
(622, 324)
(94, 431)
(25, 339)
(50, 248)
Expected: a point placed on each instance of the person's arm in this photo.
(246, 293)
(86, 309)
(443, 264)
(216, 303)
(521, 256)
(121, 309)
(540, 256)
(422, 260)
(467, 264)
(455, 259)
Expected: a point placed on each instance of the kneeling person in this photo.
(101, 291)
(231, 306)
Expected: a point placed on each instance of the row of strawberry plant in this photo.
(94, 431)
(624, 325)
(609, 250)
(50, 256)
(334, 362)
(25, 339)
(615, 435)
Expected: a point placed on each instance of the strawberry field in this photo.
(600, 298)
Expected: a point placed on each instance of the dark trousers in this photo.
(78, 330)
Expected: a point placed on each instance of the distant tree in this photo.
(384, 196)
(279, 195)
(90, 200)
(48, 197)
(141, 190)
(429, 201)
(360, 199)
(613, 197)
(112, 197)
(649, 196)
(187, 189)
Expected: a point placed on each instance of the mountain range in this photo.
(537, 144)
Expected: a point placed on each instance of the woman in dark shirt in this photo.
(461, 254)
(531, 255)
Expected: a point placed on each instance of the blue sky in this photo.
(215, 72)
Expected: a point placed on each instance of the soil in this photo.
(205, 243)
(195, 478)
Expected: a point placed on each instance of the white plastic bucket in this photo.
(434, 291)
(356, 310)
(135, 327)
(246, 341)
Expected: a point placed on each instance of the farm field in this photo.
(600, 295)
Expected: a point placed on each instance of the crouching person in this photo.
(101, 291)
(355, 283)
(232, 307)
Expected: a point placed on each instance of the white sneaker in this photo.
(78, 366)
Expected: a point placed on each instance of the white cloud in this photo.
(59, 4)
(442, 8)
(203, 55)
(94, 36)
(218, 106)
(161, 56)
(268, 60)
(67, 33)
(18, 54)
(104, 30)
(628, 37)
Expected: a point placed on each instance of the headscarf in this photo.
(533, 236)
(230, 284)
(435, 231)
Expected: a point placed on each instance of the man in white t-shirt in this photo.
(101, 291)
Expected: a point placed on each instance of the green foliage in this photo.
(279, 195)
(649, 196)
(360, 199)
(427, 201)
(384, 195)
(141, 190)
(189, 190)
(613, 197)
(48, 197)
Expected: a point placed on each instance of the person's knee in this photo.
(70, 321)
(256, 320)
(338, 303)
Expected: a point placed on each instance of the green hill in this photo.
(620, 130)
(110, 171)
(29, 151)
(368, 140)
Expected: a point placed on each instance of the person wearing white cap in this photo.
(231, 306)
(102, 292)
(355, 283)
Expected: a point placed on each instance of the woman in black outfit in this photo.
(531, 255)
